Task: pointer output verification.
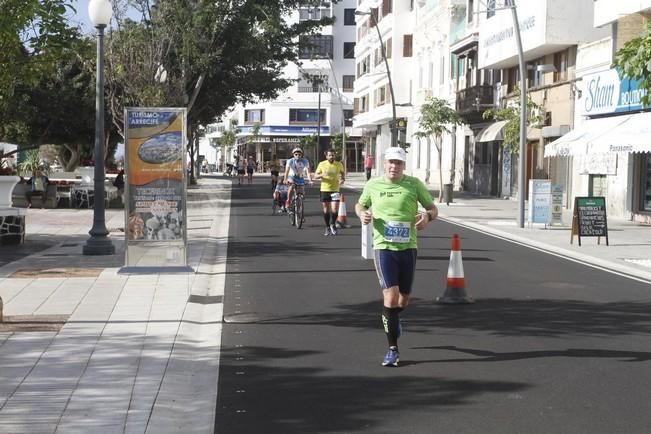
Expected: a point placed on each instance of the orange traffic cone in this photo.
(342, 218)
(455, 292)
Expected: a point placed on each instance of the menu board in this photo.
(589, 219)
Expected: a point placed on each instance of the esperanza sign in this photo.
(607, 92)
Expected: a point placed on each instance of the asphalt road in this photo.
(550, 346)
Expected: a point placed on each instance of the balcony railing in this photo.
(473, 100)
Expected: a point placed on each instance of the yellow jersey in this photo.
(331, 173)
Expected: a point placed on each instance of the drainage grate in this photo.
(56, 272)
(33, 323)
(69, 245)
(205, 299)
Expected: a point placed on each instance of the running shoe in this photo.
(392, 357)
(327, 232)
(333, 230)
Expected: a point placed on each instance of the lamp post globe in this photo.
(99, 12)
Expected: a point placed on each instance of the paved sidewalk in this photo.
(138, 353)
(628, 252)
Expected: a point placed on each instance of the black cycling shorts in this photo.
(330, 196)
(396, 268)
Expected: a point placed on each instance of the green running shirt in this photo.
(395, 205)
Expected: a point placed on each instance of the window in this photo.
(305, 116)
(349, 17)
(560, 62)
(348, 118)
(386, 7)
(348, 82)
(471, 10)
(645, 183)
(534, 77)
(380, 96)
(387, 48)
(314, 13)
(315, 47)
(349, 50)
(407, 45)
(256, 115)
(513, 79)
(490, 8)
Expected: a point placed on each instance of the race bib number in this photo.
(397, 232)
(335, 196)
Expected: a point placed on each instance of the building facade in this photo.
(319, 105)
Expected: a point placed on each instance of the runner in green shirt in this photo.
(391, 203)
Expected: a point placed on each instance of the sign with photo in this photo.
(155, 169)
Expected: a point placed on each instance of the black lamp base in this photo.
(96, 246)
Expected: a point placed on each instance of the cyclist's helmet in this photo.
(297, 150)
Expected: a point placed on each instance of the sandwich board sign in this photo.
(589, 218)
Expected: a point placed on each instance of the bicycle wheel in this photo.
(299, 212)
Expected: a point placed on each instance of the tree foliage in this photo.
(633, 60)
(34, 36)
(511, 114)
(203, 55)
(436, 116)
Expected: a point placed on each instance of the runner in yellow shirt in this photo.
(332, 175)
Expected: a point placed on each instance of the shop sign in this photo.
(607, 92)
(284, 129)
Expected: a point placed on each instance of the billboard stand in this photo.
(155, 191)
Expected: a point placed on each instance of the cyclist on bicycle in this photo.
(296, 170)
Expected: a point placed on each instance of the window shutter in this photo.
(407, 44)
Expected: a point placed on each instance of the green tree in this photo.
(436, 116)
(511, 114)
(228, 139)
(205, 56)
(633, 60)
(34, 35)
(308, 144)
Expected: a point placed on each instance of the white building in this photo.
(608, 152)
(550, 31)
(323, 84)
(393, 24)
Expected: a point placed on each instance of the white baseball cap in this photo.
(395, 153)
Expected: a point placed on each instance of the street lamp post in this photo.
(394, 126)
(343, 115)
(100, 12)
(522, 163)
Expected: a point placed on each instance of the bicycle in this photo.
(296, 214)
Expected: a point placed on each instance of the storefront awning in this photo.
(632, 135)
(492, 132)
(576, 142)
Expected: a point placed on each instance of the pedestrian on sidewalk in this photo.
(37, 187)
(332, 175)
(368, 165)
(391, 203)
(251, 165)
(241, 170)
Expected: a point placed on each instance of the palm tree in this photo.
(435, 118)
